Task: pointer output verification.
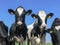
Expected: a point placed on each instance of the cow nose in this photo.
(19, 23)
(43, 26)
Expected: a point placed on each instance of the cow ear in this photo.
(49, 15)
(34, 16)
(11, 11)
(49, 30)
(29, 12)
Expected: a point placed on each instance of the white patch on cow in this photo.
(30, 27)
(35, 37)
(42, 16)
(38, 40)
(20, 11)
(57, 27)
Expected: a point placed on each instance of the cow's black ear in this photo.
(29, 12)
(34, 16)
(11, 11)
(49, 15)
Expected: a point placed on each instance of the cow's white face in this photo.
(42, 16)
(57, 28)
(20, 11)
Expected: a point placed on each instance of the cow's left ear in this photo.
(11, 11)
(49, 15)
(29, 12)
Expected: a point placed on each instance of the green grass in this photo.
(48, 43)
(45, 44)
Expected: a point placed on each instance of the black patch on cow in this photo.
(21, 31)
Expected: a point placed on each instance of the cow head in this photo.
(42, 18)
(20, 13)
(56, 24)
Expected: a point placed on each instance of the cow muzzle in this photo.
(43, 26)
(19, 23)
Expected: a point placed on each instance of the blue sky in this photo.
(36, 5)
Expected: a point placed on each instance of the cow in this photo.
(18, 30)
(3, 34)
(54, 31)
(37, 28)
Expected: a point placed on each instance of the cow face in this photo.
(42, 18)
(20, 14)
(56, 24)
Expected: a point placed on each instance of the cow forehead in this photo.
(42, 14)
(20, 10)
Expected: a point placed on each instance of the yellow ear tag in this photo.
(34, 17)
(11, 12)
(51, 31)
(49, 17)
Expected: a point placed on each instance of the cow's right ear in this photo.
(34, 16)
(11, 11)
(50, 15)
(29, 12)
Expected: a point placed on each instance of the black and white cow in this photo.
(54, 31)
(37, 28)
(3, 34)
(19, 27)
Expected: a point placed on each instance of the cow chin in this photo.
(19, 26)
(42, 29)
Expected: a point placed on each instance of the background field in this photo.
(48, 43)
(45, 44)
